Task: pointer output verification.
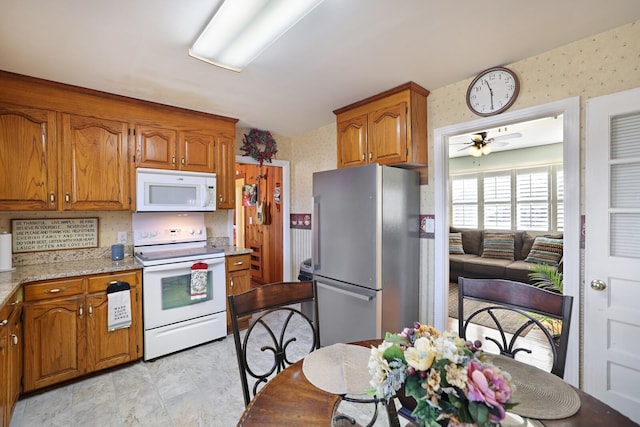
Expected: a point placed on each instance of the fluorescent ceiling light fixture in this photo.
(242, 29)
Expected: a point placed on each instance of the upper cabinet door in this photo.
(94, 163)
(226, 172)
(352, 142)
(388, 134)
(197, 152)
(156, 147)
(27, 159)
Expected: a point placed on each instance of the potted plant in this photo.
(546, 277)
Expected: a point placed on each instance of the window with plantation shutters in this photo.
(559, 202)
(464, 200)
(497, 201)
(532, 199)
(515, 199)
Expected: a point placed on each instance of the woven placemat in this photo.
(339, 368)
(539, 394)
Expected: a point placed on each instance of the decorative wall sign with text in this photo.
(33, 235)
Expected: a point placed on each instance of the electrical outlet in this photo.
(122, 237)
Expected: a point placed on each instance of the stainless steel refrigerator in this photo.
(365, 251)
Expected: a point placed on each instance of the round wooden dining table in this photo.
(289, 399)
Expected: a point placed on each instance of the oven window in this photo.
(176, 291)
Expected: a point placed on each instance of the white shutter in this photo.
(464, 202)
(532, 198)
(497, 201)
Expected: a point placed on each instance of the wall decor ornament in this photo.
(260, 145)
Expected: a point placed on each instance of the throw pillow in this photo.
(498, 245)
(545, 250)
(455, 244)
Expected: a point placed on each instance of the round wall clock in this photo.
(493, 91)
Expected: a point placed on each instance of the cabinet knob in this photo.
(362, 157)
(183, 161)
(4, 322)
(52, 197)
(67, 197)
(90, 310)
(238, 263)
(14, 338)
(231, 283)
(370, 155)
(80, 311)
(173, 160)
(54, 290)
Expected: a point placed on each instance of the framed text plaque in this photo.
(34, 235)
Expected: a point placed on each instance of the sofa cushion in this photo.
(518, 271)
(486, 267)
(456, 262)
(498, 245)
(527, 243)
(545, 250)
(455, 244)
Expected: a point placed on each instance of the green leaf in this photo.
(393, 352)
(479, 412)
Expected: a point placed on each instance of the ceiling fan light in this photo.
(486, 149)
(475, 151)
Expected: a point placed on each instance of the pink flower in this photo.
(489, 386)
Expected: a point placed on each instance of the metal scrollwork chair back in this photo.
(535, 306)
(279, 334)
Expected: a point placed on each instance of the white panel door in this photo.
(612, 252)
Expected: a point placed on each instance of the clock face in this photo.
(493, 91)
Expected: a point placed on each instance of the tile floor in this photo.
(196, 387)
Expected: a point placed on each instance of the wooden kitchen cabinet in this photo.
(65, 328)
(389, 128)
(160, 148)
(71, 148)
(10, 356)
(28, 159)
(238, 280)
(94, 164)
(226, 172)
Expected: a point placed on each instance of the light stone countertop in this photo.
(10, 281)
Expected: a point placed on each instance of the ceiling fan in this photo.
(481, 145)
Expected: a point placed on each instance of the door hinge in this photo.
(134, 159)
(137, 349)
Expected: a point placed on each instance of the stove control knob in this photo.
(144, 234)
(154, 233)
(192, 231)
(200, 231)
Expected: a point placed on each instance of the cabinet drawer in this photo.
(100, 282)
(238, 262)
(12, 302)
(53, 289)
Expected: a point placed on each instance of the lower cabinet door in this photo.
(107, 348)
(55, 347)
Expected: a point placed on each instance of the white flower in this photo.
(421, 355)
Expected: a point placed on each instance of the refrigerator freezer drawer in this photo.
(347, 313)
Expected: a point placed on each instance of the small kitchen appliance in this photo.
(159, 190)
(184, 282)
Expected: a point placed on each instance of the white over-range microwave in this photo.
(159, 190)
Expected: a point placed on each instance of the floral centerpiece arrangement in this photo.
(446, 376)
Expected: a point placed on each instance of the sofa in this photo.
(501, 254)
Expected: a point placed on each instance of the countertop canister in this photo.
(5, 252)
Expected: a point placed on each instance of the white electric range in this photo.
(183, 282)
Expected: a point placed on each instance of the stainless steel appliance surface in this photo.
(365, 226)
(184, 282)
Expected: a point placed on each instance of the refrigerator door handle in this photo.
(345, 292)
(315, 221)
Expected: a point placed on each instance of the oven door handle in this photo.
(186, 265)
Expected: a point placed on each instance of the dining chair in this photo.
(533, 308)
(280, 332)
